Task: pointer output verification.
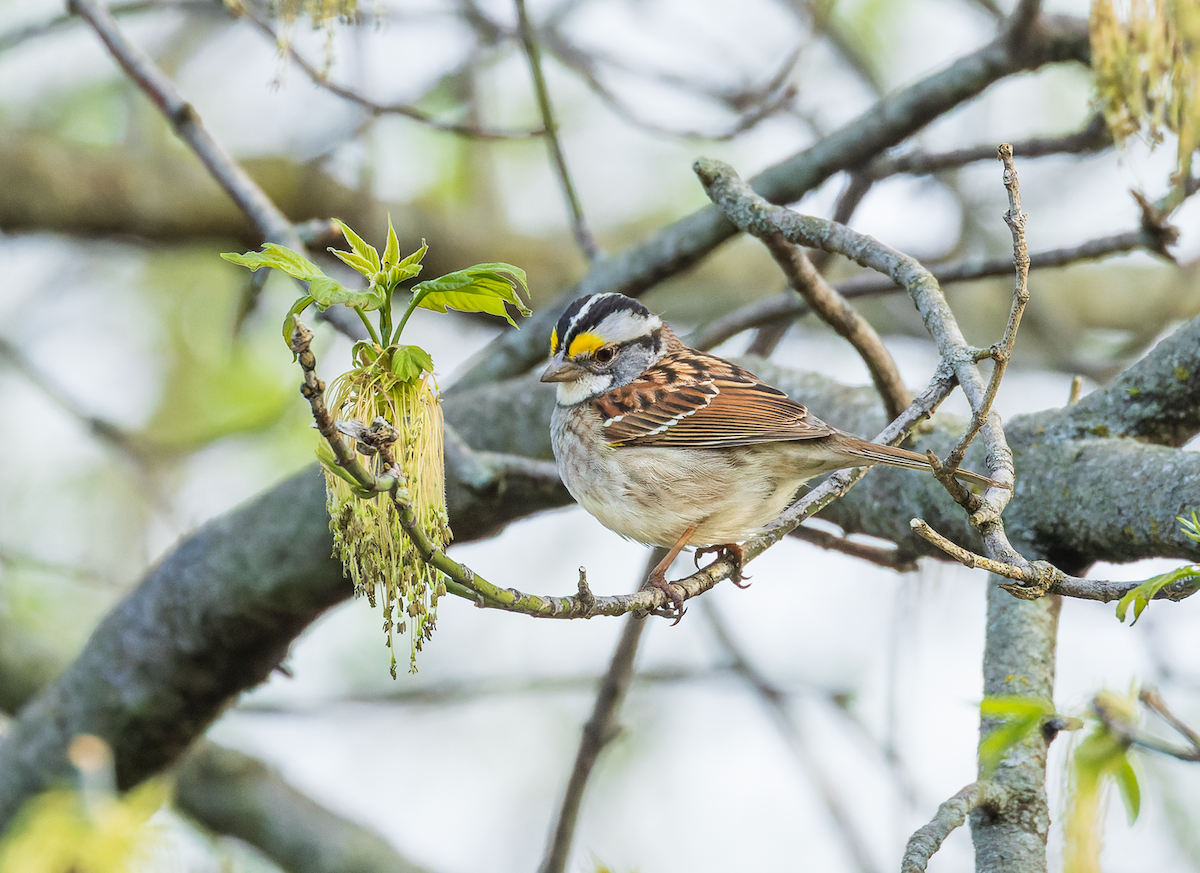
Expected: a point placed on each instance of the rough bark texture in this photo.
(1018, 659)
(216, 616)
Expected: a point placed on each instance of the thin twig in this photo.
(1001, 352)
(950, 815)
(752, 105)
(1094, 136)
(788, 307)
(767, 337)
(583, 236)
(374, 107)
(598, 732)
(842, 317)
(1153, 701)
(776, 703)
(1038, 578)
(891, 559)
(271, 224)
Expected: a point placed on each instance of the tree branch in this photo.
(237, 795)
(888, 122)
(271, 224)
(373, 107)
(842, 317)
(950, 815)
(600, 730)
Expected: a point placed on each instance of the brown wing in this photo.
(691, 400)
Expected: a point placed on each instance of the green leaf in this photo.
(1191, 528)
(1141, 596)
(408, 362)
(407, 268)
(365, 351)
(281, 258)
(364, 251)
(289, 323)
(1021, 717)
(328, 292)
(481, 288)
(1128, 784)
(353, 261)
(391, 253)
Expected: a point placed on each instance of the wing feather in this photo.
(692, 400)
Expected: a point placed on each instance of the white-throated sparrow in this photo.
(673, 447)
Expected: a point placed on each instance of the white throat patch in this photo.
(583, 388)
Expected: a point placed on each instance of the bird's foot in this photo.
(733, 552)
(657, 579)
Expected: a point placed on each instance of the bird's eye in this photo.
(604, 354)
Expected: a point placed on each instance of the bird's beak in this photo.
(559, 370)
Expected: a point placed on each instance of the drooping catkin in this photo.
(368, 537)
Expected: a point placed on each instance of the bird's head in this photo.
(601, 342)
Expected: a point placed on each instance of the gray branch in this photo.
(218, 614)
(890, 121)
(950, 815)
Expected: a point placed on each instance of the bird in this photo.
(677, 448)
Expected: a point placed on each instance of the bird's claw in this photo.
(674, 592)
(734, 553)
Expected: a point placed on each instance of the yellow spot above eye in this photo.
(554, 341)
(585, 342)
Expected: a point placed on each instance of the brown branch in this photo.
(1001, 352)
(891, 559)
(767, 337)
(1153, 701)
(841, 316)
(950, 815)
(751, 105)
(266, 217)
(1094, 136)
(1038, 578)
(788, 307)
(598, 732)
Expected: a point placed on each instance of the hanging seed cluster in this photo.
(1146, 56)
(368, 538)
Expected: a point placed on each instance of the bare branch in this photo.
(841, 316)
(266, 217)
(885, 124)
(1038, 578)
(1153, 700)
(776, 703)
(1001, 352)
(598, 732)
(891, 559)
(374, 107)
(1092, 137)
(583, 236)
(950, 815)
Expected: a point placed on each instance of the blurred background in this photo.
(140, 400)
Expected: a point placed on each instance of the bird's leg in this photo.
(733, 552)
(658, 578)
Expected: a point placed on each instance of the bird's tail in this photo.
(912, 461)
